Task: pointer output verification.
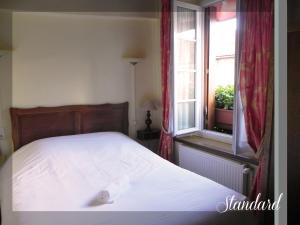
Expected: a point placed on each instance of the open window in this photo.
(219, 57)
(187, 62)
(204, 68)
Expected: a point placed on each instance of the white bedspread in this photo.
(65, 174)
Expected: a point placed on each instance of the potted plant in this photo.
(224, 96)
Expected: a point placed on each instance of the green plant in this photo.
(224, 96)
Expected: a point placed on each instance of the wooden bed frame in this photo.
(30, 124)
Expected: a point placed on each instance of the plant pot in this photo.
(224, 118)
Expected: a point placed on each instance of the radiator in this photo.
(227, 172)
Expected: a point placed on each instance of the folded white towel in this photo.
(113, 191)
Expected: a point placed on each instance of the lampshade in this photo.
(135, 58)
(151, 104)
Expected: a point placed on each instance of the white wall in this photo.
(62, 59)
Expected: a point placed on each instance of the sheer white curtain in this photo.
(240, 144)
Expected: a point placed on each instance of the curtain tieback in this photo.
(164, 130)
(259, 154)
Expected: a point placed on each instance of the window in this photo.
(186, 63)
(220, 32)
(204, 65)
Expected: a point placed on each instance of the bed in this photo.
(65, 155)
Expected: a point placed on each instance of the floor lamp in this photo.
(133, 62)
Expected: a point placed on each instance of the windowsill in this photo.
(215, 147)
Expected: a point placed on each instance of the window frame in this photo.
(198, 64)
(201, 75)
(206, 133)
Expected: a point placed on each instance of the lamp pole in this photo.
(132, 106)
(133, 98)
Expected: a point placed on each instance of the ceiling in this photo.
(81, 5)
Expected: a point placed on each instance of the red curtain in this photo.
(255, 57)
(166, 142)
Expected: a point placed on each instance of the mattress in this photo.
(53, 181)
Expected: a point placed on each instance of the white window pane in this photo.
(186, 115)
(185, 46)
(186, 23)
(186, 54)
(185, 85)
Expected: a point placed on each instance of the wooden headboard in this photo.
(29, 124)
